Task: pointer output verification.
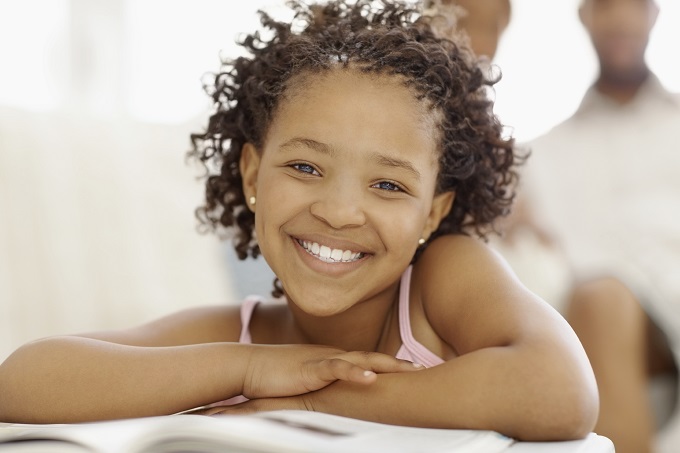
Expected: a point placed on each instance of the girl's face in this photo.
(345, 188)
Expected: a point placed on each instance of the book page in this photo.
(281, 431)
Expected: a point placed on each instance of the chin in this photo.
(320, 306)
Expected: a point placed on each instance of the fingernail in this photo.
(418, 365)
(368, 373)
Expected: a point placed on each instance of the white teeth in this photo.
(325, 253)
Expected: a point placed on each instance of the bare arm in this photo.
(517, 390)
(520, 369)
(72, 379)
(137, 371)
(156, 369)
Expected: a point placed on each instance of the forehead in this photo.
(353, 81)
(361, 104)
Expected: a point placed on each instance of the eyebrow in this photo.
(387, 161)
(309, 143)
(380, 159)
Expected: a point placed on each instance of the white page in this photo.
(282, 431)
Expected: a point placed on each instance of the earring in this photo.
(421, 241)
(252, 200)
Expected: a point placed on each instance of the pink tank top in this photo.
(410, 349)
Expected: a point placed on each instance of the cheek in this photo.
(278, 200)
(402, 226)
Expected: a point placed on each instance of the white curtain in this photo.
(96, 226)
(97, 101)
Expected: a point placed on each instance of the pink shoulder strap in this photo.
(247, 308)
(411, 349)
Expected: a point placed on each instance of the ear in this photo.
(249, 165)
(441, 206)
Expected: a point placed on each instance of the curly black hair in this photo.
(388, 37)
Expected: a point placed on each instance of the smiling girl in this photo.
(358, 152)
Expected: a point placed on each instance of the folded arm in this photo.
(518, 368)
(157, 370)
(517, 390)
(525, 391)
(73, 379)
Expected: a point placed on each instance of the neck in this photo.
(621, 88)
(362, 327)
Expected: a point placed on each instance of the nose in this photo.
(339, 207)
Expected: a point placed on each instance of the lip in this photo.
(336, 269)
(333, 243)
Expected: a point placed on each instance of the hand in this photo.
(287, 370)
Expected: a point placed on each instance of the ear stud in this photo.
(252, 201)
(421, 241)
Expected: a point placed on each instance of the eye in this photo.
(305, 168)
(388, 186)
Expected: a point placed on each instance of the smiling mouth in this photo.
(329, 255)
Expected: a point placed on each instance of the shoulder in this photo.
(471, 297)
(559, 145)
(458, 257)
(455, 266)
(572, 127)
(556, 134)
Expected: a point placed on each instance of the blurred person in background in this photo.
(604, 186)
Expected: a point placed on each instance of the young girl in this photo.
(358, 152)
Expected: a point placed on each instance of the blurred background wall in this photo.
(97, 101)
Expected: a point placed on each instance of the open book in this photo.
(267, 432)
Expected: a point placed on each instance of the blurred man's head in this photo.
(619, 31)
(482, 20)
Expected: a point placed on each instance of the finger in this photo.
(364, 373)
(380, 363)
(333, 369)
